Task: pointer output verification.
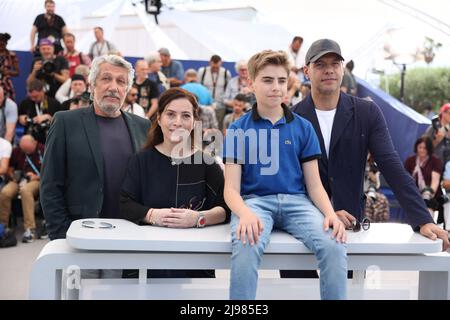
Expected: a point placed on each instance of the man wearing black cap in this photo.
(349, 127)
(78, 90)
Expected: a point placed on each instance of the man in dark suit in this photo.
(87, 150)
(349, 127)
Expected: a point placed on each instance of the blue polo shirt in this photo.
(271, 155)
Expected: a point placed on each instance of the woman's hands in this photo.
(174, 218)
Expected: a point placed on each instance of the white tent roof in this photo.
(197, 29)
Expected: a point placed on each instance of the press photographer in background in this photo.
(81, 101)
(23, 178)
(377, 205)
(78, 88)
(37, 110)
(426, 170)
(51, 69)
(439, 133)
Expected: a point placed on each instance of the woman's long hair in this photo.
(428, 145)
(155, 135)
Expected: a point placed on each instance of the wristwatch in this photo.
(201, 221)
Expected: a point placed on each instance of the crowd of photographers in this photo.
(58, 80)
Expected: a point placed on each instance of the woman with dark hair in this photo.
(426, 169)
(171, 183)
(9, 66)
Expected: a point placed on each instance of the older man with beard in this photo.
(88, 149)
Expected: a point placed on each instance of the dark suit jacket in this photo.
(359, 127)
(72, 172)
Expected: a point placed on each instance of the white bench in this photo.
(128, 246)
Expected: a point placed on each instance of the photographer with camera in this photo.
(78, 88)
(439, 133)
(26, 160)
(51, 69)
(426, 170)
(37, 110)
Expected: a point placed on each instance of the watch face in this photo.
(201, 222)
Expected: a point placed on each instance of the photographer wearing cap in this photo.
(51, 69)
(78, 89)
(439, 133)
(37, 110)
(348, 128)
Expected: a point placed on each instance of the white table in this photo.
(128, 246)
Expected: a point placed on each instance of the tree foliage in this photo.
(422, 86)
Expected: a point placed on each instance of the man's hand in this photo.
(346, 218)
(41, 118)
(180, 218)
(37, 66)
(250, 227)
(32, 176)
(433, 232)
(338, 226)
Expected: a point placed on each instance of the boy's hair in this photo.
(265, 58)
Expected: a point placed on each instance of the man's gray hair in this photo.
(115, 61)
(239, 64)
(152, 57)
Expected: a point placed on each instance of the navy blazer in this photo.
(72, 170)
(359, 127)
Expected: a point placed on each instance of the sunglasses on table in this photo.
(357, 226)
(97, 225)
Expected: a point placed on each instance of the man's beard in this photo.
(108, 108)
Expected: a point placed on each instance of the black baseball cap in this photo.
(320, 48)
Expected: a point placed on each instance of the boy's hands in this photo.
(338, 226)
(250, 227)
(346, 218)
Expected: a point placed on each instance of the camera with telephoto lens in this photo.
(48, 67)
(84, 98)
(444, 197)
(427, 193)
(37, 127)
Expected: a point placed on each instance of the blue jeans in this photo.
(296, 215)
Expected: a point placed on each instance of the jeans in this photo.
(296, 215)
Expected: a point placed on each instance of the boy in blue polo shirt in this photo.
(272, 180)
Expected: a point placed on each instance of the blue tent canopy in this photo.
(405, 124)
